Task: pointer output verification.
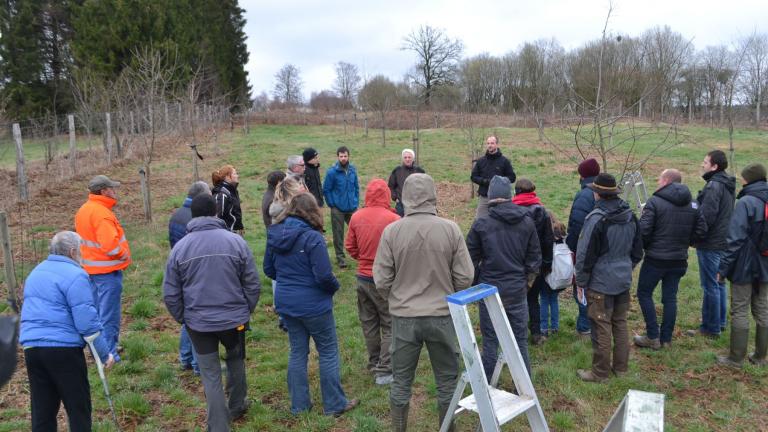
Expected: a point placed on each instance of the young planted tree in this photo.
(148, 82)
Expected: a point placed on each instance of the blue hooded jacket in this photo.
(341, 188)
(177, 226)
(297, 258)
(583, 204)
(58, 308)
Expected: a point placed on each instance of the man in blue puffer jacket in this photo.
(342, 194)
(57, 315)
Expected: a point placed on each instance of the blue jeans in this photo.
(714, 303)
(322, 329)
(107, 293)
(550, 309)
(187, 355)
(650, 275)
(582, 320)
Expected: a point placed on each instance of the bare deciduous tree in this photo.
(438, 58)
(347, 82)
(288, 86)
(755, 76)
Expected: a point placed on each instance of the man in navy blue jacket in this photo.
(211, 262)
(177, 229)
(342, 194)
(583, 204)
(57, 315)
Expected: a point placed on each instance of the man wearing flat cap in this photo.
(105, 254)
(610, 246)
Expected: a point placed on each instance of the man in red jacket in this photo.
(362, 241)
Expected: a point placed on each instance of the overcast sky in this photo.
(314, 35)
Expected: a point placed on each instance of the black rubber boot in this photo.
(761, 347)
(399, 417)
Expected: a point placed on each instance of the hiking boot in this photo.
(352, 404)
(384, 379)
(700, 332)
(342, 264)
(758, 357)
(588, 376)
(237, 415)
(538, 339)
(646, 342)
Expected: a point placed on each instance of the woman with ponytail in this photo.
(225, 193)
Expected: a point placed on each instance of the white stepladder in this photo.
(495, 407)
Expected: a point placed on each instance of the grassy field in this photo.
(151, 393)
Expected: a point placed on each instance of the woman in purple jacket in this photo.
(297, 258)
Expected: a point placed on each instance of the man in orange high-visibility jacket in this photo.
(105, 253)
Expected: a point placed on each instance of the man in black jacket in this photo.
(746, 266)
(398, 176)
(492, 164)
(716, 205)
(312, 174)
(669, 224)
(506, 253)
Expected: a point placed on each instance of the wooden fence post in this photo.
(72, 144)
(21, 175)
(365, 124)
(108, 131)
(10, 273)
(165, 106)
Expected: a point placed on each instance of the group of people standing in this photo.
(409, 259)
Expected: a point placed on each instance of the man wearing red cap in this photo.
(583, 203)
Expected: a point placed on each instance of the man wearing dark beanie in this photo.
(745, 264)
(312, 174)
(212, 262)
(506, 252)
(583, 203)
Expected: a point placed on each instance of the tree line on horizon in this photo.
(658, 74)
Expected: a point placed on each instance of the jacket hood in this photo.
(757, 189)
(281, 237)
(585, 181)
(676, 193)
(377, 194)
(727, 180)
(232, 187)
(616, 210)
(419, 194)
(508, 212)
(204, 223)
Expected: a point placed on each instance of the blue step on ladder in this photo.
(495, 407)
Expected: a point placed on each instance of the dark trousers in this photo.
(517, 314)
(650, 275)
(206, 345)
(534, 308)
(338, 219)
(58, 375)
(373, 310)
(408, 336)
(608, 318)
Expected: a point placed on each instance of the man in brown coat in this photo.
(421, 259)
